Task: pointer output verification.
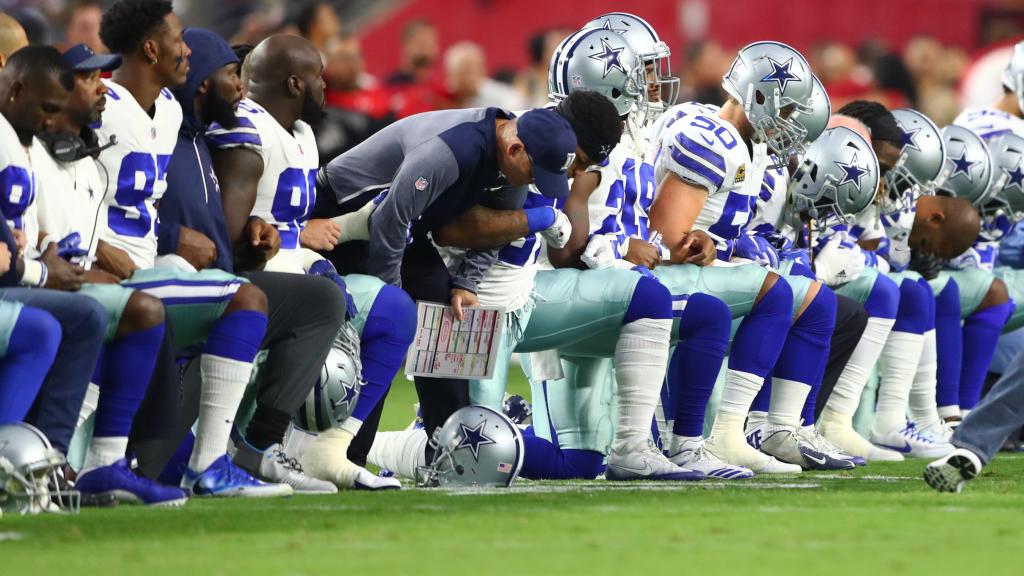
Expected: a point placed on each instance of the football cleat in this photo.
(224, 479)
(787, 445)
(911, 442)
(327, 459)
(647, 463)
(950, 473)
(838, 430)
(118, 481)
(939, 430)
(812, 435)
(690, 454)
(737, 452)
(274, 466)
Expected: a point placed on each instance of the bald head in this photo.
(12, 37)
(944, 226)
(282, 56)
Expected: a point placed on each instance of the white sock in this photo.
(351, 425)
(104, 452)
(900, 357)
(964, 412)
(740, 390)
(641, 356)
(949, 411)
(676, 442)
(846, 395)
(89, 403)
(224, 382)
(922, 393)
(401, 452)
(787, 402)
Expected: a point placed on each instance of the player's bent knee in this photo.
(884, 299)
(248, 297)
(400, 308)
(706, 317)
(913, 308)
(997, 294)
(651, 300)
(775, 293)
(141, 313)
(812, 293)
(769, 282)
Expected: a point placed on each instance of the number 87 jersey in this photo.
(135, 169)
(703, 150)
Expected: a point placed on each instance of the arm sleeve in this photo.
(422, 178)
(9, 278)
(474, 267)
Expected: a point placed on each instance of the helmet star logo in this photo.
(473, 438)
(963, 166)
(851, 172)
(608, 26)
(349, 395)
(609, 57)
(1016, 177)
(908, 139)
(781, 73)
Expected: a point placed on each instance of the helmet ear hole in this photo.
(759, 97)
(616, 93)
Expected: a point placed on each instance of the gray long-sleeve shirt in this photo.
(436, 165)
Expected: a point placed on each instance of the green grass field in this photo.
(880, 520)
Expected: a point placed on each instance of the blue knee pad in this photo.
(707, 317)
(389, 330)
(651, 299)
(543, 460)
(759, 339)
(884, 299)
(912, 315)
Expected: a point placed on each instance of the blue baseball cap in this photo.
(81, 58)
(551, 145)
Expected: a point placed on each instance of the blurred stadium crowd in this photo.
(433, 72)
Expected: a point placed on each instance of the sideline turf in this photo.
(873, 521)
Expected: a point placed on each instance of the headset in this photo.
(66, 147)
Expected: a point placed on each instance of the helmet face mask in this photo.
(602, 61)
(774, 85)
(651, 50)
(476, 447)
(30, 473)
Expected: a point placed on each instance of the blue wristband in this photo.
(538, 219)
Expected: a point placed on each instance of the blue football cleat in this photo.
(119, 481)
(224, 479)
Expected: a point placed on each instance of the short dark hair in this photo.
(305, 15)
(595, 121)
(35, 62)
(129, 22)
(877, 118)
(242, 51)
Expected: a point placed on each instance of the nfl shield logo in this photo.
(577, 81)
(421, 184)
(152, 132)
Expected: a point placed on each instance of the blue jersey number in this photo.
(17, 193)
(292, 203)
(721, 132)
(639, 195)
(138, 175)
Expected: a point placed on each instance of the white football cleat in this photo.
(838, 429)
(811, 435)
(327, 459)
(939, 430)
(736, 451)
(913, 443)
(949, 474)
(692, 455)
(645, 463)
(785, 443)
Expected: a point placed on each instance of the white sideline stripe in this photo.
(190, 291)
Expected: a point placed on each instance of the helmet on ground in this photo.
(477, 446)
(30, 471)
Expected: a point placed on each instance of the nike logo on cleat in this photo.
(819, 461)
(905, 449)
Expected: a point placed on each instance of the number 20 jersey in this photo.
(134, 170)
(703, 150)
(287, 190)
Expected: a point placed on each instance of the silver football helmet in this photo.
(651, 49)
(334, 396)
(773, 82)
(816, 121)
(1007, 189)
(30, 472)
(1013, 75)
(968, 165)
(919, 168)
(477, 446)
(602, 61)
(837, 178)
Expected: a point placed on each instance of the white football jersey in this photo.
(286, 192)
(705, 151)
(134, 171)
(620, 205)
(69, 199)
(989, 122)
(17, 182)
(773, 213)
